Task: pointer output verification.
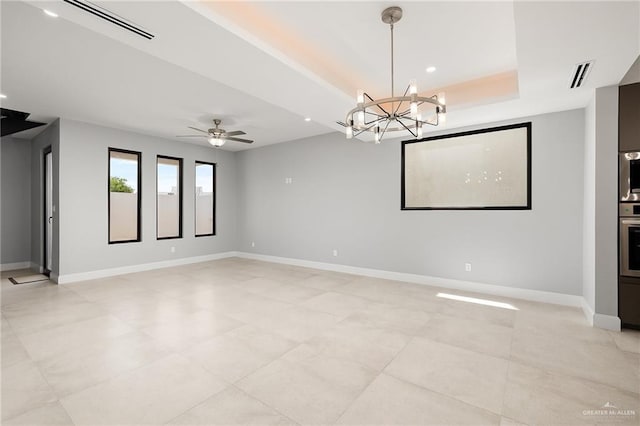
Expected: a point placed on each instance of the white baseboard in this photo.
(516, 293)
(608, 322)
(588, 311)
(103, 273)
(15, 265)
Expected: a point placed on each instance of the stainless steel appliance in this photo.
(630, 176)
(630, 239)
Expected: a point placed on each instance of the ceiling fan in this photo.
(217, 136)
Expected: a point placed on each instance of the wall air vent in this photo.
(110, 17)
(580, 74)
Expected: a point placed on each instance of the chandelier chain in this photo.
(392, 88)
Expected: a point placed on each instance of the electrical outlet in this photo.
(335, 252)
(173, 249)
(288, 180)
(253, 243)
(467, 267)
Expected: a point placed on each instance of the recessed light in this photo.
(50, 13)
(431, 69)
(307, 119)
(3, 96)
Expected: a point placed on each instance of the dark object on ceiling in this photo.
(15, 121)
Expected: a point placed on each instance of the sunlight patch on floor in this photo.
(478, 301)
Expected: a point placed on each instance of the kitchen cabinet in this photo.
(629, 117)
(629, 301)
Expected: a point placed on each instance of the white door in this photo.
(48, 195)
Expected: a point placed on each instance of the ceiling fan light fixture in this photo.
(217, 136)
(395, 113)
(217, 142)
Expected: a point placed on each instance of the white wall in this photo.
(204, 208)
(83, 200)
(15, 181)
(124, 216)
(345, 195)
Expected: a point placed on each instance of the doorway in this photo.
(47, 210)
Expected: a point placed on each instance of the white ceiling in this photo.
(264, 66)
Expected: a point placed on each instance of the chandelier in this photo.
(397, 113)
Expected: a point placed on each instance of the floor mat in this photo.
(29, 279)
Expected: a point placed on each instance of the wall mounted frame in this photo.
(485, 169)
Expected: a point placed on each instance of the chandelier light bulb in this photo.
(360, 96)
(413, 87)
(377, 134)
(414, 110)
(349, 132)
(360, 118)
(419, 130)
(442, 118)
(441, 98)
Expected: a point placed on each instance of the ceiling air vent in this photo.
(110, 17)
(580, 74)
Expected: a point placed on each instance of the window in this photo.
(205, 199)
(169, 197)
(124, 196)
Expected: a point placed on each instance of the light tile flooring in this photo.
(237, 341)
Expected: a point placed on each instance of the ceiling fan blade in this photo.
(239, 140)
(191, 136)
(199, 130)
(235, 133)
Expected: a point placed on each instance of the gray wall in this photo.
(83, 200)
(633, 75)
(589, 210)
(50, 137)
(345, 195)
(15, 181)
(600, 245)
(606, 201)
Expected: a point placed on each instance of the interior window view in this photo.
(205, 199)
(124, 196)
(225, 213)
(169, 202)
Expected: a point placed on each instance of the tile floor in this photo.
(238, 341)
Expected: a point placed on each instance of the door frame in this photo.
(46, 151)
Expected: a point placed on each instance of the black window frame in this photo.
(195, 211)
(138, 154)
(180, 193)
